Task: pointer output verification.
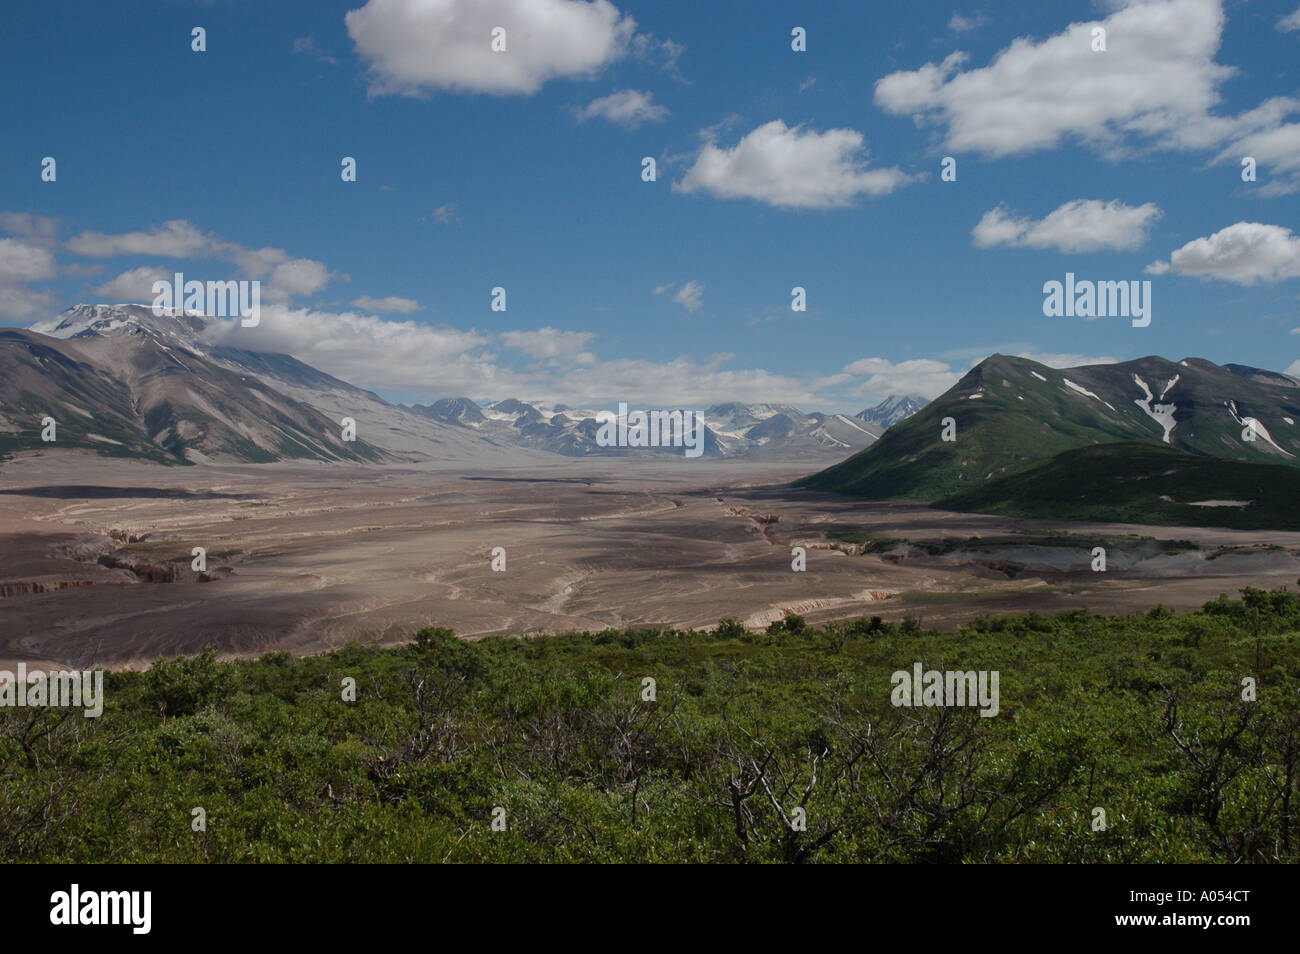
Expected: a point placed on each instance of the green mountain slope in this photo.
(1011, 413)
(1142, 483)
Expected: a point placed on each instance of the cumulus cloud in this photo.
(880, 377)
(1155, 86)
(135, 285)
(34, 228)
(790, 167)
(1278, 148)
(412, 46)
(1083, 225)
(1245, 254)
(298, 276)
(689, 296)
(20, 302)
(684, 381)
(23, 261)
(283, 277)
(379, 353)
(174, 239)
(628, 107)
(1290, 22)
(373, 352)
(391, 303)
(548, 342)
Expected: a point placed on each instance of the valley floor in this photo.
(95, 555)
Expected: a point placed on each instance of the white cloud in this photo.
(174, 239)
(309, 46)
(1244, 253)
(1057, 360)
(373, 352)
(689, 296)
(683, 381)
(548, 342)
(416, 45)
(19, 301)
(135, 285)
(34, 228)
(1083, 225)
(882, 377)
(283, 277)
(25, 262)
(444, 215)
(1155, 86)
(391, 303)
(665, 53)
(1290, 22)
(790, 167)
(379, 353)
(961, 24)
(1277, 147)
(298, 276)
(628, 107)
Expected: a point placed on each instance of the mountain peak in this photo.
(112, 321)
(895, 408)
(1012, 414)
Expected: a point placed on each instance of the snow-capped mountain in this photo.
(731, 429)
(112, 321)
(161, 389)
(168, 389)
(895, 408)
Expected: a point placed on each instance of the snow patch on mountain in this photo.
(1162, 414)
(1082, 390)
(1257, 426)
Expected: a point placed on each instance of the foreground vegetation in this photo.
(776, 746)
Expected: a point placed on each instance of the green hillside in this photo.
(1140, 483)
(1011, 413)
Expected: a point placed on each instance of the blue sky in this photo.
(776, 168)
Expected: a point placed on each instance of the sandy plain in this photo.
(95, 555)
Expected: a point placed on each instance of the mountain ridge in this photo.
(1009, 415)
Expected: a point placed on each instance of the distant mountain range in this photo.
(122, 381)
(1150, 439)
(731, 430)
